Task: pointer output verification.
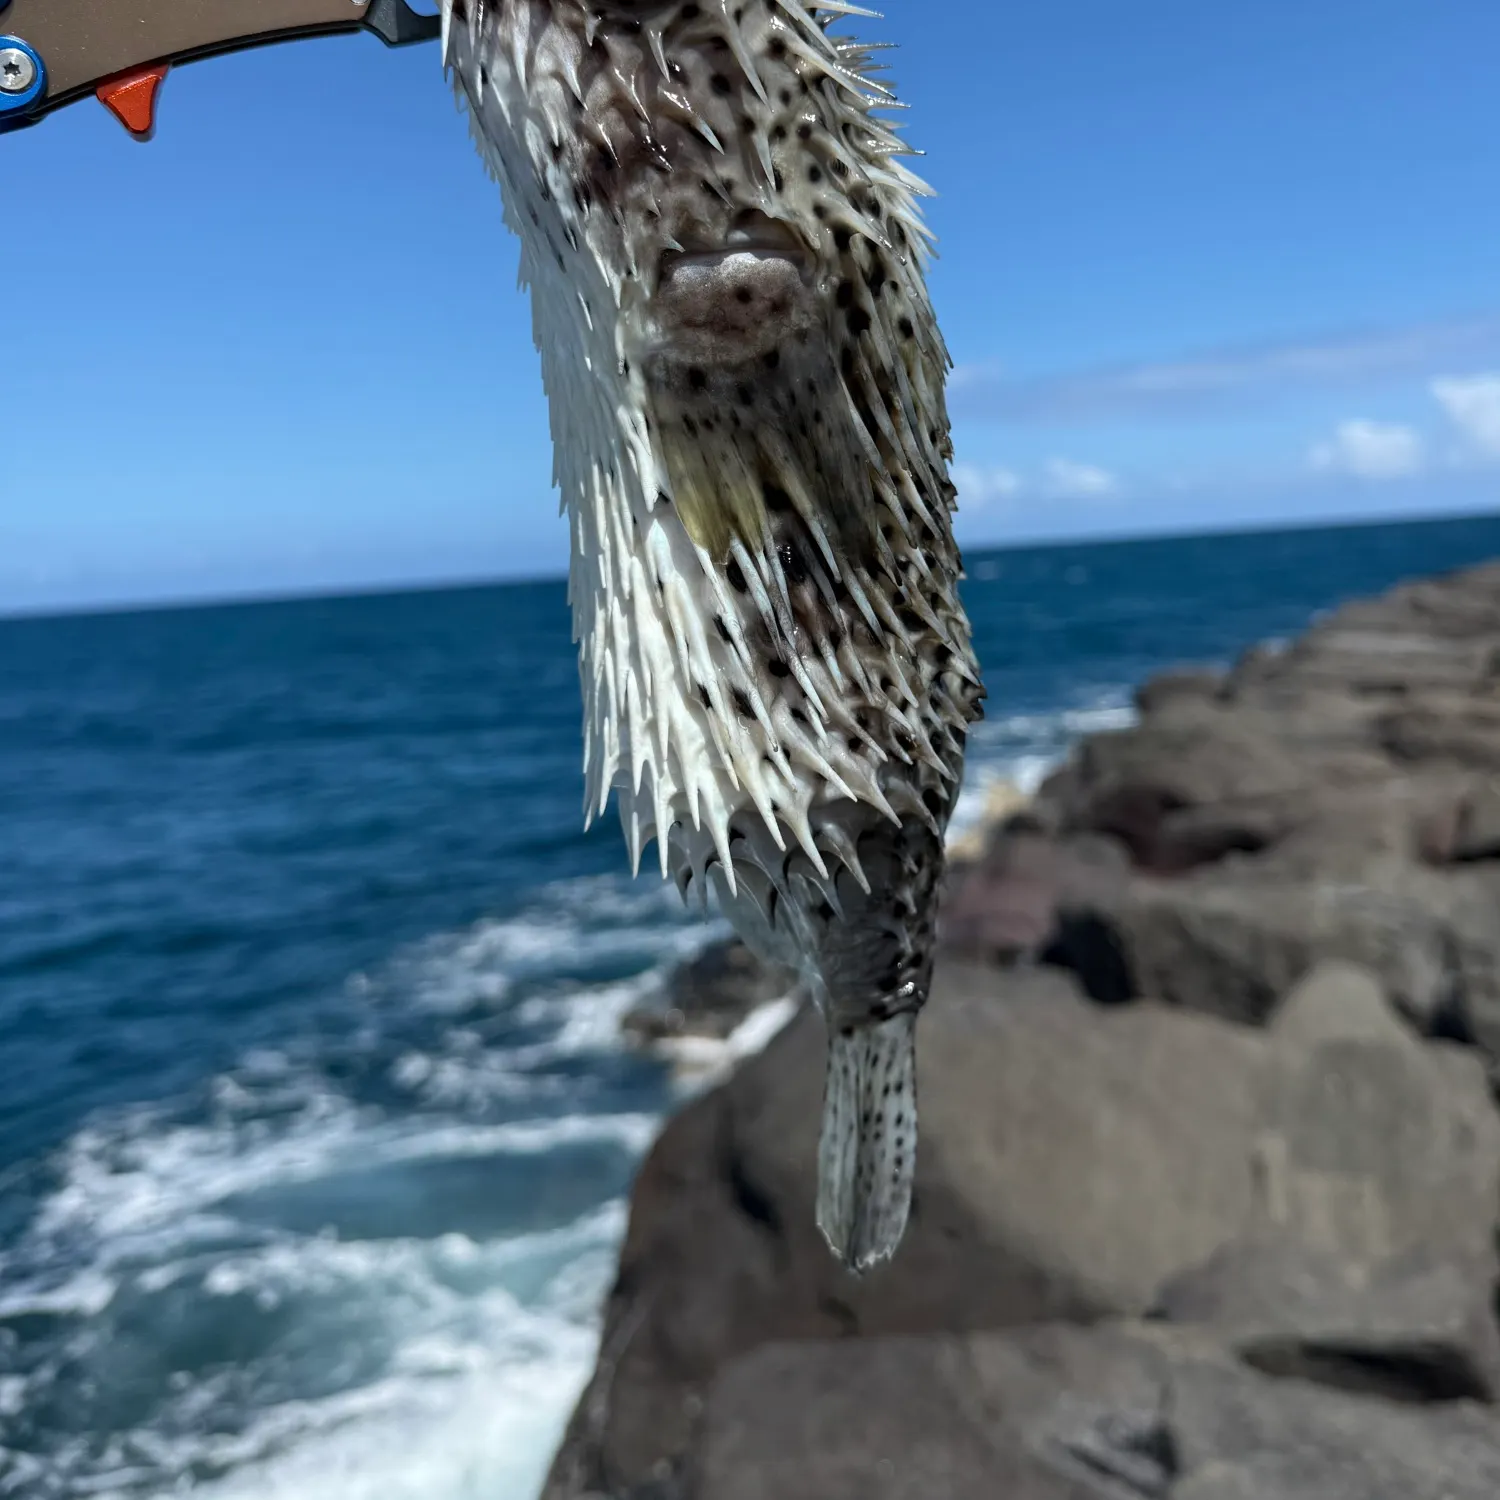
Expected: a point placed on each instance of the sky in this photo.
(1200, 267)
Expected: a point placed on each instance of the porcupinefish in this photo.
(745, 380)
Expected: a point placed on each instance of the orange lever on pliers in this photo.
(53, 52)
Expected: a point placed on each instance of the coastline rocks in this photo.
(1418, 1328)
(1119, 1412)
(1028, 892)
(709, 995)
(1074, 1162)
(1209, 1172)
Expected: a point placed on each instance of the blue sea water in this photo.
(315, 1126)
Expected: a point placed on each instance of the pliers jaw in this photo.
(55, 52)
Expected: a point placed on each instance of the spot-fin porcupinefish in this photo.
(746, 388)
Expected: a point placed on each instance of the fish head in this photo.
(715, 221)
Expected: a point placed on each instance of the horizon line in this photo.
(459, 584)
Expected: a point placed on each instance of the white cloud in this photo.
(1472, 403)
(1370, 450)
(1226, 379)
(1067, 480)
(979, 487)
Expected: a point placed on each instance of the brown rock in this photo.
(1170, 687)
(709, 995)
(1373, 1144)
(1128, 782)
(1461, 731)
(1477, 834)
(1005, 905)
(1233, 945)
(1109, 1413)
(1072, 1161)
(722, 1253)
(1420, 1328)
(1014, 902)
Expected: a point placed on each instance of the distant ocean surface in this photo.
(315, 1128)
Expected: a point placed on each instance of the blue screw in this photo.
(23, 77)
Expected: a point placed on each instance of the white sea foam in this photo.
(480, 1345)
(700, 1060)
(471, 1403)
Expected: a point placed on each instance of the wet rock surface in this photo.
(709, 995)
(1210, 1169)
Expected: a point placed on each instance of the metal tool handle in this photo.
(53, 52)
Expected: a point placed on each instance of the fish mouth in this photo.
(754, 237)
(732, 301)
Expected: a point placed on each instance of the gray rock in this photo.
(1194, 755)
(722, 1253)
(1072, 1161)
(1157, 692)
(1232, 943)
(1033, 896)
(1372, 1143)
(1477, 835)
(1417, 1329)
(709, 995)
(1109, 1413)
(1449, 728)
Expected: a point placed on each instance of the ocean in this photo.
(316, 1129)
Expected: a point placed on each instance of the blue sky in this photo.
(1200, 266)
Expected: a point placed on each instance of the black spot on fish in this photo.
(778, 668)
(742, 705)
(722, 628)
(735, 576)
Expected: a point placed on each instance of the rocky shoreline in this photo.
(1210, 1171)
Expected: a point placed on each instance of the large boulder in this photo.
(1233, 940)
(1198, 779)
(1072, 1161)
(1029, 895)
(1108, 1413)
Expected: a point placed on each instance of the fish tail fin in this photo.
(868, 1149)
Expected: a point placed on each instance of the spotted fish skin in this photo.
(745, 380)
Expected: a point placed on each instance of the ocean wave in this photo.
(483, 1349)
(398, 1227)
(371, 1257)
